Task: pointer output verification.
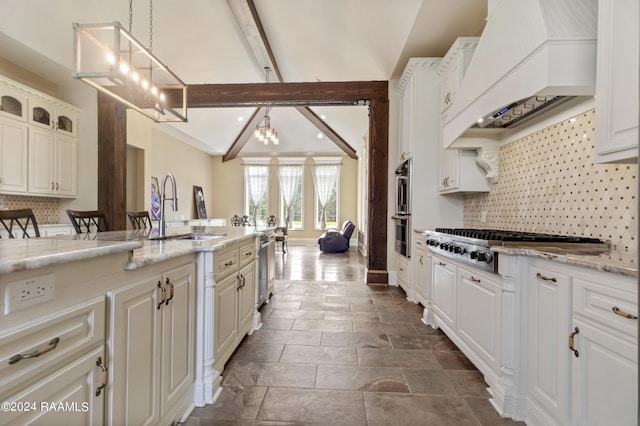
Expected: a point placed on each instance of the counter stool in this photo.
(82, 220)
(282, 235)
(139, 220)
(22, 218)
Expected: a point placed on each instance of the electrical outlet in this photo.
(483, 216)
(29, 292)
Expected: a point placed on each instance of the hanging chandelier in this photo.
(109, 58)
(264, 132)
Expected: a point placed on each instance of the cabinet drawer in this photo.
(247, 253)
(596, 302)
(226, 263)
(77, 329)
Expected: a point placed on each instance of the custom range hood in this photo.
(532, 55)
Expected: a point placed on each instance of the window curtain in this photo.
(256, 177)
(289, 175)
(325, 177)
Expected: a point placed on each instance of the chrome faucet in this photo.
(163, 198)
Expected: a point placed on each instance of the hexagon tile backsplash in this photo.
(548, 183)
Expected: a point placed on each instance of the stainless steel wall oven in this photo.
(402, 214)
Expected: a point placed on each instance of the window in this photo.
(256, 183)
(291, 195)
(326, 173)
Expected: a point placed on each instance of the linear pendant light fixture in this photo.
(264, 132)
(109, 58)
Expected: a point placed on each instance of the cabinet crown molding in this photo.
(413, 65)
(31, 92)
(460, 46)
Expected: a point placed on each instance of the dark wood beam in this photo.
(245, 135)
(378, 184)
(112, 160)
(327, 130)
(265, 41)
(282, 94)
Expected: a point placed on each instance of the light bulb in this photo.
(162, 97)
(124, 68)
(135, 77)
(111, 59)
(154, 91)
(145, 84)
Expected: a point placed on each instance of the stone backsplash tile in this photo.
(549, 183)
(45, 209)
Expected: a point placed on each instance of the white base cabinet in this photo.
(152, 349)
(421, 268)
(403, 276)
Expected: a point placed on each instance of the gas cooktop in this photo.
(497, 236)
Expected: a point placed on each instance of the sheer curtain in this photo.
(289, 175)
(325, 177)
(256, 177)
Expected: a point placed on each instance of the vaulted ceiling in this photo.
(231, 41)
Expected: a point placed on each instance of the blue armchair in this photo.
(337, 241)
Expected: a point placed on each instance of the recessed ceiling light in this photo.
(240, 119)
(480, 120)
(320, 135)
(323, 116)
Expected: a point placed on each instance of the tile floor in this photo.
(334, 351)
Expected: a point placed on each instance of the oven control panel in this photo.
(474, 255)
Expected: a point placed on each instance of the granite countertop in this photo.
(144, 248)
(608, 259)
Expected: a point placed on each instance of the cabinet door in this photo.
(41, 167)
(421, 265)
(548, 306)
(13, 156)
(479, 307)
(178, 334)
(226, 314)
(41, 113)
(247, 296)
(443, 298)
(134, 341)
(66, 166)
(604, 377)
(404, 273)
(66, 397)
(13, 103)
(449, 162)
(617, 81)
(406, 130)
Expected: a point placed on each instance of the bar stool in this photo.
(23, 218)
(139, 220)
(83, 220)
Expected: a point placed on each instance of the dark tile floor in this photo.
(334, 351)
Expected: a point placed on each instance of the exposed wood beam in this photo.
(244, 135)
(264, 40)
(282, 94)
(328, 131)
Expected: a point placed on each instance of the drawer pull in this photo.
(163, 294)
(105, 376)
(575, 351)
(542, 277)
(51, 346)
(623, 313)
(247, 254)
(170, 291)
(474, 279)
(229, 263)
(442, 264)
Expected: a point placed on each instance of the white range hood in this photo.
(530, 52)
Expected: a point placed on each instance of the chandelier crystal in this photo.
(264, 132)
(109, 58)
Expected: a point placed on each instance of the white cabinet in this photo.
(582, 346)
(407, 120)
(404, 275)
(617, 81)
(151, 345)
(459, 172)
(421, 267)
(13, 156)
(50, 114)
(234, 299)
(54, 230)
(13, 100)
(444, 292)
(55, 360)
(52, 164)
(453, 67)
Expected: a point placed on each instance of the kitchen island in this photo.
(121, 326)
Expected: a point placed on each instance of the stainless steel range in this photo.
(472, 246)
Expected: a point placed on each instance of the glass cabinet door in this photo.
(13, 104)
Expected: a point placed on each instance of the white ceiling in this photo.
(201, 41)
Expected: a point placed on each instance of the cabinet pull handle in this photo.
(442, 264)
(420, 260)
(623, 313)
(105, 376)
(57, 186)
(170, 291)
(52, 186)
(247, 254)
(50, 346)
(163, 294)
(229, 263)
(542, 277)
(474, 279)
(575, 351)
